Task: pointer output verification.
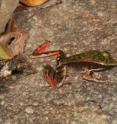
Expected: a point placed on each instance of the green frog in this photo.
(90, 61)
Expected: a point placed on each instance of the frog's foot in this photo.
(61, 84)
(88, 75)
(62, 74)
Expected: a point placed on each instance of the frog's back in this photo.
(93, 56)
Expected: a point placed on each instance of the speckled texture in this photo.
(73, 26)
(6, 10)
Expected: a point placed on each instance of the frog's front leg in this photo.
(88, 75)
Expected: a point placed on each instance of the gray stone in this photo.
(29, 110)
(6, 10)
(73, 26)
(114, 121)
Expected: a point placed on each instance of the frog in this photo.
(90, 61)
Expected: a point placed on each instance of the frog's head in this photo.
(109, 59)
(106, 54)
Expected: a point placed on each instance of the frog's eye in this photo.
(105, 54)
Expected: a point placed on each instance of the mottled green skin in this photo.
(92, 56)
(92, 60)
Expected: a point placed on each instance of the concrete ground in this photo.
(72, 26)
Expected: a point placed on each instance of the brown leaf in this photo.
(14, 42)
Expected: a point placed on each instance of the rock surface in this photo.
(6, 10)
(73, 26)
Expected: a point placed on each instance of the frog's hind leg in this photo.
(88, 75)
(55, 77)
(62, 74)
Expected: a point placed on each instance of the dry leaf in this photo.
(33, 2)
(12, 44)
